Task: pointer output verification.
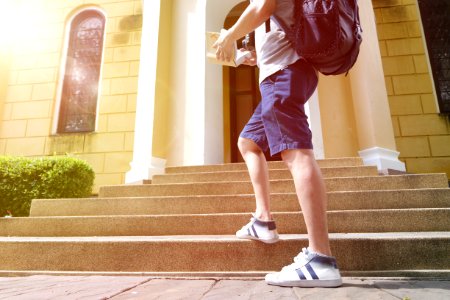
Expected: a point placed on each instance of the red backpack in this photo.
(327, 33)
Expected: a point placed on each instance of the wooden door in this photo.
(244, 97)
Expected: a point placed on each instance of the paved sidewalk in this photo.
(132, 287)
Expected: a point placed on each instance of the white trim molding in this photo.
(144, 165)
(145, 170)
(312, 110)
(384, 159)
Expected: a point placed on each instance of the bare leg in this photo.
(259, 176)
(310, 189)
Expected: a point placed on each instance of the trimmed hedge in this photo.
(23, 179)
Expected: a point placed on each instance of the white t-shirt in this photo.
(273, 49)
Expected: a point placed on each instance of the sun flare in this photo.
(18, 20)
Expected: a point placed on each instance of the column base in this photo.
(384, 159)
(145, 171)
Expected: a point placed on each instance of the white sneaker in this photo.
(264, 231)
(308, 270)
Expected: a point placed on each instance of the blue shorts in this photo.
(279, 122)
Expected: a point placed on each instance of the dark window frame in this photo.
(436, 26)
(80, 86)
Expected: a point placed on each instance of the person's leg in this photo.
(311, 193)
(314, 266)
(288, 132)
(252, 143)
(259, 176)
(261, 226)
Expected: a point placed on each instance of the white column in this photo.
(370, 99)
(197, 95)
(216, 12)
(144, 165)
(384, 159)
(312, 110)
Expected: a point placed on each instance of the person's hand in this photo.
(224, 46)
(249, 61)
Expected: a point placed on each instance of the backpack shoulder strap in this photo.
(267, 25)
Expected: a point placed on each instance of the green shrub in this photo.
(24, 179)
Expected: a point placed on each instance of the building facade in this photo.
(124, 85)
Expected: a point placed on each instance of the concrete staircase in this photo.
(183, 224)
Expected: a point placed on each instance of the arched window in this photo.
(78, 106)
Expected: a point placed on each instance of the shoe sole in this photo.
(309, 283)
(250, 237)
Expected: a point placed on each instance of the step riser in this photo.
(434, 198)
(186, 223)
(326, 163)
(224, 256)
(277, 186)
(273, 174)
(287, 223)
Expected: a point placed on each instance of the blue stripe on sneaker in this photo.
(300, 274)
(254, 231)
(311, 271)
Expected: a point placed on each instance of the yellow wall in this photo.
(29, 81)
(28, 113)
(422, 136)
(163, 85)
(4, 78)
(339, 129)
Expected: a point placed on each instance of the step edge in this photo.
(277, 169)
(377, 177)
(226, 214)
(423, 190)
(229, 238)
(422, 274)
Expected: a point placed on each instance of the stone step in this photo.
(323, 163)
(365, 252)
(399, 220)
(242, 175)
(280, 202)
(277, 186)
